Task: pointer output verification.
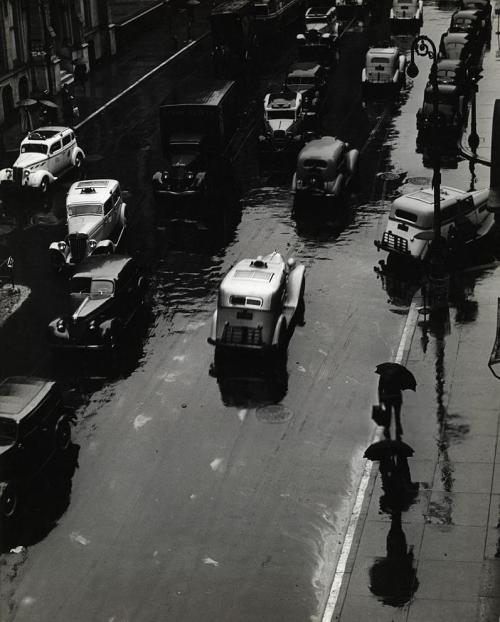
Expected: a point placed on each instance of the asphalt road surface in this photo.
(193, 497)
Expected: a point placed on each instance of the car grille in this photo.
(78, 243)
(18, 174)
(394, 243)
(242, 335)
(279, 135)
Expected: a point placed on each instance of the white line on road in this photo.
(340, 572)
(137, 82)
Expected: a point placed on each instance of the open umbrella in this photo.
(397, 374)
(48, 103)
(27, 101)
(388, 447)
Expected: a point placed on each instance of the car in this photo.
(384, 68)
(96, 219)
(325, 169)
(407, 15)
(107, 292)
(283, 121)
(45, 155)
(34, 426)
(479, 5)
(322, 19)
(307, 78)
(452, 110)
(315, 47)
(410, 227)
(469, 21)
(452, 72)
(459, 46)
(259, 303)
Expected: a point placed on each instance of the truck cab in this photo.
(283, 120)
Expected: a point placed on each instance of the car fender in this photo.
(402, 63)
(395, 77)
(59, 254)
(104, 247)
(77, 152)
(122, 214)
(363, 75)
(35, 178)
(295, 286)
(294, 183)
(277, 330)
(212, 338)
(337, 185)
(352, 159)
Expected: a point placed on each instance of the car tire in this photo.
(78, 161)
(63, 434)
(9, 502)
(44, 185)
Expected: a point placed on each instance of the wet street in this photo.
(193, 492)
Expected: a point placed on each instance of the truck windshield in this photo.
(84, 209)
(34, 148)
(8, 431)
(101, 289)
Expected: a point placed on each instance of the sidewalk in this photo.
(452, 423)
(113, 75)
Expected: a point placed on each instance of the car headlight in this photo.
(92, 244)
(26, 173)
(190, 175)
(8, 173)
(61, 245)
(92, 325)
(164, 176)
(61, 325)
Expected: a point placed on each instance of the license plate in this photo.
(244, 315)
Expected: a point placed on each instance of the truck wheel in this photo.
(63, 434)
(44, 185)
(8, 502)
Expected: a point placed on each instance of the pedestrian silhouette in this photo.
(390, 398)
(393, 579)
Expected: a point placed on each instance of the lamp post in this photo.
(437, 255)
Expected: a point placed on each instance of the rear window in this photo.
(101, 289)
(243, 301)
(405, 215)
(315, 163)
(380, 59)
(259, 275)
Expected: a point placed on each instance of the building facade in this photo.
(41, 42)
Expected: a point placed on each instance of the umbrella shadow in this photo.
(393, 579)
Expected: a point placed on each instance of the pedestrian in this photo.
(68, 106)
(391, 399)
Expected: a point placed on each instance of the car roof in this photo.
(327, 147)
(470, 13)
(19, 395)
(303, 68)
(282, 101)
(259, 276)
(102, 266)
(91, 191)
(389, 51)
(319, 11)
(422, 201)
(47, 133)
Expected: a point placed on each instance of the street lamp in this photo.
(437, 260)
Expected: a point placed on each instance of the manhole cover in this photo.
(273, 414)
(388, 176)
(418, 181)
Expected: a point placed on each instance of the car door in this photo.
(107, 223)
(67, 146)
(55, 162)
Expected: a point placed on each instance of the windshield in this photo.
(101, 289)
(301, 81)
(281, 114)
(8, 431)
(316, 21)
(84, 209)
(34, 148)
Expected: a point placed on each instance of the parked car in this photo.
(96, 217)
(384, 67)
(260, 301)
(107, 291)
(322, 19)
(34, 425)
(452, 110)
(45, 155)
(470, 21)
(452, 72)
(308, 79)
(325, 169)
(283, 121)
(480, 5)
(460, 46)
(410, 227)
(407, 15)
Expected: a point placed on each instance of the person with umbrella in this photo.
(394, 470)
(394, 378)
